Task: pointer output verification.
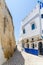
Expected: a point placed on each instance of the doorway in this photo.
(40, 48)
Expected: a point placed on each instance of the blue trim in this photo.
(41, 4)
(31, 51)
(33, 26)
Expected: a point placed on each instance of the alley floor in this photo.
(23, 58)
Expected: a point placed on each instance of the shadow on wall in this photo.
(17, 59)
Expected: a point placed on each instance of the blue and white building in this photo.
(31, 36)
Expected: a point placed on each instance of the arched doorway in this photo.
(40, 48)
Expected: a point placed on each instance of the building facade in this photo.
(7, 38)
(31, 36)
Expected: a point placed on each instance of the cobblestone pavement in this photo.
(23, 58)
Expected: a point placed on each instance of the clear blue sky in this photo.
(19, 9)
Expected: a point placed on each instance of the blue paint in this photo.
(33, 26)
(31, 51)
(41, 4)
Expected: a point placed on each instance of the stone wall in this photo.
(7, 38)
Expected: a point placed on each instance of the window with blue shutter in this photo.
(23, 31)
(41, 4)
(33, 26)
(41, 15)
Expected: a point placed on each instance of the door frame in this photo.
(39, 47)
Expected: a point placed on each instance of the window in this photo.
(33, 45)
(32, 39)
(23, 31)
(33, 26)
(41, 5)
(41, 15)
(27, 40)
(27, 45)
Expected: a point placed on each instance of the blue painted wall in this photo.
(31, 51)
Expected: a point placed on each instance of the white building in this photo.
(31, 37)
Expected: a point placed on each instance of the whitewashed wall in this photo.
(41, 12)
(34, 16)
(29, 31)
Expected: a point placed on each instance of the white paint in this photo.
(32, 59)
(34, 16)
(26, 24)
(2, 59)
(41, 11)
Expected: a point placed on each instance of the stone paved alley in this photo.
(23, 58)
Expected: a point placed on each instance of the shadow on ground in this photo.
(17, 59)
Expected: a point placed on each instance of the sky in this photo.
(19, 10)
